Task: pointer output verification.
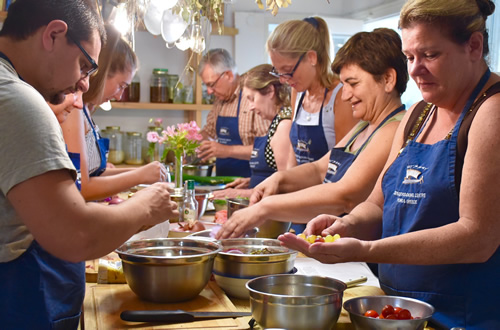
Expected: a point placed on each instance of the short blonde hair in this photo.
(258, 78)
(458, 18)
(296, 37)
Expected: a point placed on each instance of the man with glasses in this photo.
(48, 48)
(231, 127)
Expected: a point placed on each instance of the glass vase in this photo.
(179, 158)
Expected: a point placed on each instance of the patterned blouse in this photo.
(283, 114)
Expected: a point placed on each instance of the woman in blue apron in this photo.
(271, 100)
(117, 65)
(300, 53)
(438, 196)
(350, 170)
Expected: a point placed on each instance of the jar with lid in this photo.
(134, 90)
(133, 155)
(159, 86)
(116, 154)
(159, 148)
(173, 79)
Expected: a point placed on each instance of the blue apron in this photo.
(102, 145)
(228, 134)
(309, 142)
(419, 191)
(40, 291)
(340, 160)
(260, 169)
(75, 159)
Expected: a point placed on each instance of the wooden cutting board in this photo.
(104, 303)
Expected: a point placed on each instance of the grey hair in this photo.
(220, 60)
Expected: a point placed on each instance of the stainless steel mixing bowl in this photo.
(296, 301)
(269, 229)
(248, 265)
(168, 270)
(356, 307)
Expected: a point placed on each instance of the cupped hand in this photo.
(344, 249)
(321, 225)
(240, 222)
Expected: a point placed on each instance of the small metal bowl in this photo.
(296, 301)
(356, 307)
(269, 229)
(168, 270)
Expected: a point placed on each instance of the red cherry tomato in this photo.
(404, 314)
(387, 310)
(391, 317)
(371, 313)
(319, 239)
(397, 310)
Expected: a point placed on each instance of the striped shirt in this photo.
(250, 124)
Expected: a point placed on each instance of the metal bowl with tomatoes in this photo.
(388, 312)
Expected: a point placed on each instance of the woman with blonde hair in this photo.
(117, 65)
(300, 54)
(432, 220)
(271, 100)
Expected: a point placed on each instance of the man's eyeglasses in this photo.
(93, 63)
(212, 85)
(275, 73)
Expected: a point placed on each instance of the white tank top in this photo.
(312, 119)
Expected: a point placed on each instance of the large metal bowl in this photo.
(356, 307)
(269, 229)
(198, 170)
(168, 270)
(296, 301)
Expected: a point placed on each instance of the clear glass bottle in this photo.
(190, 205)
(159, 86)
(116, 154)
(133, 156)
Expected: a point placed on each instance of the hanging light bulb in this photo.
(197, 39)
(121, 22)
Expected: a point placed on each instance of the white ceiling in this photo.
(357, 9)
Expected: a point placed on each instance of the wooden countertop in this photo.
(104, 303)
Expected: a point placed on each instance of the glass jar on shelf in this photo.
(158, 147)
(116, 154)
(173, 79)
(133, 156)
(134, 90)
(159, 86)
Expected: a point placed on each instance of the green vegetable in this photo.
(210, 180)
(220, 202)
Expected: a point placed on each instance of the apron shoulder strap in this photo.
(463, 133)
(413, 124)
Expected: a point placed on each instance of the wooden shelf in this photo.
(161, 106)
(192, 111)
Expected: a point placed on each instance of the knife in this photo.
(177, 316)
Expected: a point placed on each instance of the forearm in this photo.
(298, 178)
(236, 151)
(303, 205)
(100, 187)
